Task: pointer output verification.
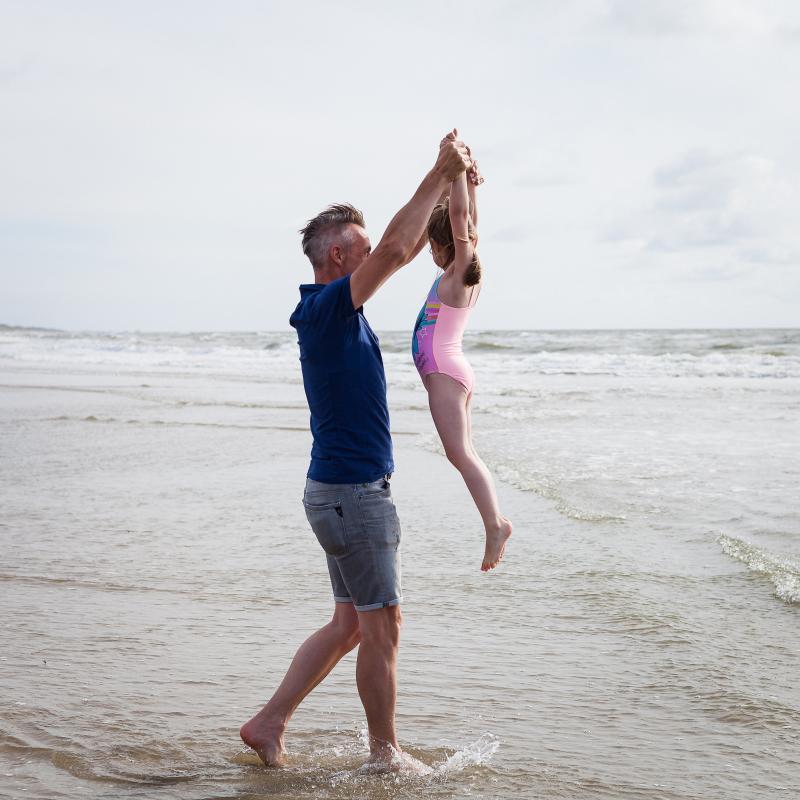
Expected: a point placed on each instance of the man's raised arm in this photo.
(408, 225)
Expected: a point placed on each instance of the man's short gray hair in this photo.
(322, 231)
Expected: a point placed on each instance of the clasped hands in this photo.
(473, 173)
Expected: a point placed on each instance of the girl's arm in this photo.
(459, 215)
(474, 179)
(473, 203)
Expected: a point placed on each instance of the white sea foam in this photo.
(783, 572)
(699, 354)
(231, 353)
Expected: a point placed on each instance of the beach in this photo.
(640, 640)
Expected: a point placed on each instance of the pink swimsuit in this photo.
(436, 342)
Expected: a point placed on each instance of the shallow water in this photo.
(640, 640)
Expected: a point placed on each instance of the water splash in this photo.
(473, 755)
(405, 766)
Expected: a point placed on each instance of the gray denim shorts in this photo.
(358, 528)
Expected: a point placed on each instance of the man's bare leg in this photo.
(315, 658)
(376, 677)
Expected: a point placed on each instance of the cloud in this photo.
(734, 209)
(656, 18)
(778, 253)
(521, 162)
(697, 17)
(719, 272)
(159, 147)
(542, 168)
(535, 179)
(510, 235)
(12, 72)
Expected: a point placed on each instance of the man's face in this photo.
(355, 255)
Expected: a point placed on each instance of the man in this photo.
(347, 497)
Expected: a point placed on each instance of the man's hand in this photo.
(453, 157)
(406, 232)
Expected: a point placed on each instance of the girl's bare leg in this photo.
(450, 409)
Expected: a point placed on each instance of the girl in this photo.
(440, 361)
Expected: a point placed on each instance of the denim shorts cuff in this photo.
(343, 599)
(375, 606)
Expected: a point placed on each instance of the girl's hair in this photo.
(441, 231)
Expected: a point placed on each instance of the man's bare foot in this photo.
(383, 758)
(496, 539)
(266, 738)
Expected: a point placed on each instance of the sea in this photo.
(641, 638)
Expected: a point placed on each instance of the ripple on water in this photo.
(329, 764)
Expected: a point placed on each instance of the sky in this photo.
(158, 158)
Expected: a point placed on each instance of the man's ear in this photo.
(337, 255)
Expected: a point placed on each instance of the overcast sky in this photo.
(641, 156)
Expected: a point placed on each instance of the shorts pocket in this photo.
(379, 488)
(381, 523)
(327, 522)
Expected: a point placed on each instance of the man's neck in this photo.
(328, 274)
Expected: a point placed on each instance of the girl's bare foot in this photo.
(496, 539)
(266, 738)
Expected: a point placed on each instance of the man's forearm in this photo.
(423, 240)
(409, 224)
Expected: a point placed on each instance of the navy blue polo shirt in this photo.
(345, 386)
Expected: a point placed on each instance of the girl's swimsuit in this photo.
(436, 342)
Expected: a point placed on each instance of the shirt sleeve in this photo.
(330, 305)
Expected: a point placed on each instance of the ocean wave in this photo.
(666, 365)
(547, 487)
(754, 712)
(490, 346)
(245, 354)
(782, 572)
(526, 480)
(177, 423)
(550, 489)
(698, 354)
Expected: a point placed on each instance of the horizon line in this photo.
(6, 326)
